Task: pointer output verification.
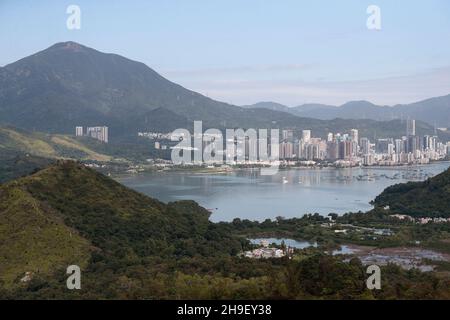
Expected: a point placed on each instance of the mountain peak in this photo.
(358, 103)
(275, 106)
(68, 45)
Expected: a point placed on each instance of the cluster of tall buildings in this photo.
(352, 149)
(99, 133)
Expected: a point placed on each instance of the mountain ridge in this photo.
(435, 110)
(68, 85)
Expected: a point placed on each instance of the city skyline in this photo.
(338, 148)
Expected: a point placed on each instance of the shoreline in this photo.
(220, 171)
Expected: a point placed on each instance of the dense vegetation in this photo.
(430, 198)
(133, 247)
(16, 164)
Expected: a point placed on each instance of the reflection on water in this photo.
(289, 193)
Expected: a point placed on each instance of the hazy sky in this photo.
(242, 52)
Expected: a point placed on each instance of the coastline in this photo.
(221, 171)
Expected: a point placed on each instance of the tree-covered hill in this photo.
(67, 212)
(430, 198)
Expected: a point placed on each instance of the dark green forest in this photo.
(430, 198)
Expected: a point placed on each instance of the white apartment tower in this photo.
(410, 127)
(99, 133)
(306, 135)
(79, 131)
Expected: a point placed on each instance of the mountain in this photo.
(430, 198)
(268, 105)
(349, 110)
(433, 111)
(69, 84)
(69, 214)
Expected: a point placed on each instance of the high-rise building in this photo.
(330, 137)
(365, 146)
(288, 135)
(410, 127)
(79, 131)
(251, 149)
(345, 150)
(429, 142)
(99, 133)
(399, 146)
(382, 145)
(312, 151)
(391, 149)
(301, 150)
(306, 135)
(413, 144)
(286, 150)
(332, 150)
(354, 135)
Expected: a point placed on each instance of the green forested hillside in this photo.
(15, 164)
(430, 198)
(130, 246)
(37, 213)
(34, 238)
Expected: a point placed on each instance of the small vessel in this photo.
(285, 180)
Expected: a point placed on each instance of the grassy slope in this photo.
(33, 237)
(48, 146)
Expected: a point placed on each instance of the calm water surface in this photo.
(290, 193)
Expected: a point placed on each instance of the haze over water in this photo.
(290, 193)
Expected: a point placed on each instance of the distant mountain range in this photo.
(435, 111)
(69, 84)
